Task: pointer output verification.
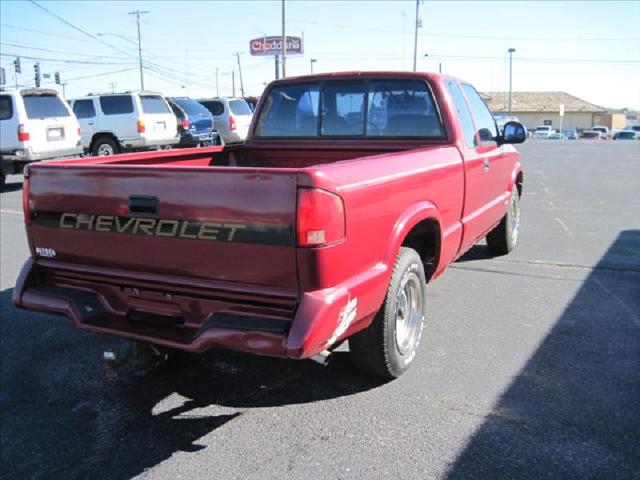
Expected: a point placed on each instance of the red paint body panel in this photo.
(284, 300)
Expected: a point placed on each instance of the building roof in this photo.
(538, 102)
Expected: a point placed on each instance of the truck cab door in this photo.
(482, 163)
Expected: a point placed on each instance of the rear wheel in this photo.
(104, 146)
(388, 346)
(503, 238)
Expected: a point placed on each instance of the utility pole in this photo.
(284, 44)
(233, 83)
(112, 86)
(137, 13)
(415, 40)
(64, 90)
(404, 40)
(217, 82)
(240, 72)
(511, 51)
(277, 58)
(311, 62)
(439, 67)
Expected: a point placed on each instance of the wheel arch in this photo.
(97, 135)
(419, 227)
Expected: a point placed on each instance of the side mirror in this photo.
(513, 132)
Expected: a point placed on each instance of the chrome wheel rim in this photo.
(515, 217)
(408, 312)
(105, 149)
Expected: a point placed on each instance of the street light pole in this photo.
(511, 51)
(415, 40)
(284, 44)
(311, 62)
(240, 72)
(137, 13)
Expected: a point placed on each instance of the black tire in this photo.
(504, 237)
(3, 179)
(104, 144)
(386, 349)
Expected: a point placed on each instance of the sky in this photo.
(588, 49)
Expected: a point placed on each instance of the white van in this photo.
(115, 122)
(35, 124)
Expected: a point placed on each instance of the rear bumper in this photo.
(141, 142)
(28, 155)
(267, 323)
(190, 139)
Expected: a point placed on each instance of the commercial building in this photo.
(543, 108)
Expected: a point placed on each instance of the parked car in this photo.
(604, 131)
(231, 117)
(556, 136)
(195, 123)
(315, 230)
(571, 134)
(35, 124)
(635, 128)
(543, 131)
(591, 135)
(115, 122)
(625, 135)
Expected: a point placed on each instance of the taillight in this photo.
(79, 131)
(232, 123)
(140, 126)
(26, 206)
(321, 218)
(185, 123)
(23, 135)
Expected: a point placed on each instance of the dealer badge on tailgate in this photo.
(45, 252)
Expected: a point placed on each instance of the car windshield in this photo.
(378, 108)
(599, 129)
(543, 129)
(153, 104)
(193, 108)
(44, 106)
(590, 135)
(239, 107)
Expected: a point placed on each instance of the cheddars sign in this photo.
(273, 46)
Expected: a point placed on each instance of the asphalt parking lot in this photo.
(530, 368)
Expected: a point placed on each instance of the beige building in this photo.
(543, 108)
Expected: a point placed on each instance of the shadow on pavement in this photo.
(64, 414)
(11, 187)
(574, 409)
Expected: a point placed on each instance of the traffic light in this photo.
(38, 77)
(56, 76)
(16, 65)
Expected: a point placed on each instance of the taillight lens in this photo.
(140, 126)
(26, 207)
(79, 131)
(23, 135)
(232, 123)
(185, 123)
(321, 218)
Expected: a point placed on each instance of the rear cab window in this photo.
(116, 104)
(377, 108)
(84, 109)
(153, 104)
(6, 107)
(44, 106)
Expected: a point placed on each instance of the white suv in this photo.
(35, 124)
(231, 117)
(112, 123)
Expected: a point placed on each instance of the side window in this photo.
(6, 107)
(217, 108)
(402, 108)
(485, 122)
(84, 109)
(116, 104)
(468, 128)
(343, 109)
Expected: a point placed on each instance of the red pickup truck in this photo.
(351, 193)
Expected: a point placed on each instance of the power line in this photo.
(43, 49)
(480, 37)
(60, 60)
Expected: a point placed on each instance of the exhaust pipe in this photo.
(322, 358)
